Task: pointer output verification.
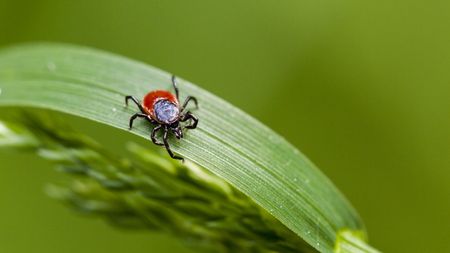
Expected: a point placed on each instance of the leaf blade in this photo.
(233, 145)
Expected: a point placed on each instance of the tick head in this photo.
(177, 131)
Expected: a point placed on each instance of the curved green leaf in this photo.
(231, 144)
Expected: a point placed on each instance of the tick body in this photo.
(162, 109)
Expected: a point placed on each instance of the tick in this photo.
(162, 108)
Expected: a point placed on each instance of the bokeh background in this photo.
(362, 88)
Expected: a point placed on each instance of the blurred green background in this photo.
(362, 88)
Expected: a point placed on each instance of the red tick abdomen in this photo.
(154, 96)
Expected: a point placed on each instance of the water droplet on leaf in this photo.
(51, 66)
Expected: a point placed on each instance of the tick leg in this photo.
(153, 135)
(189, 116)
(141, 115)
(188, 99)
(174, 83)
(166, 144)
(135, 101)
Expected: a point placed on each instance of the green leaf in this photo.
(92, 84)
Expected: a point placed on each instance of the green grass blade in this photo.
(231, 144)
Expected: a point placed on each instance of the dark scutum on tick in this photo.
(163, 109)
